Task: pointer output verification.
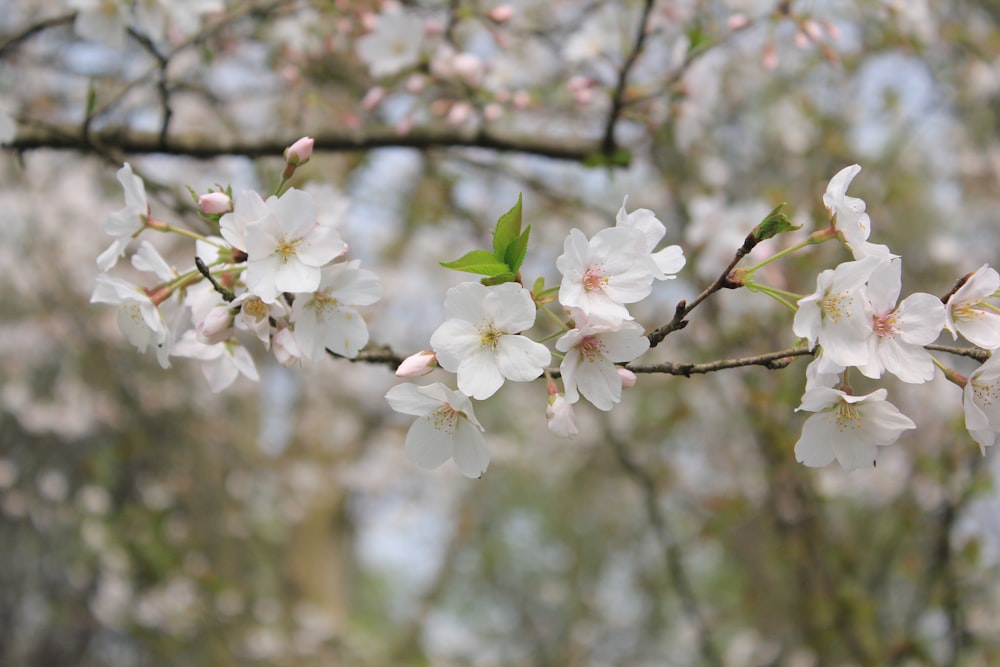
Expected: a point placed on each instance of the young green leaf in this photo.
(499, 278)
(517, 249)
(508, 229)
(482, 262)
(775, 223)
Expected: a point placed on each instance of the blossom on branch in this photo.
(129, 221)
(670, 259)
(981, 403)
(968, 313)
(849, 216)
(447, 427)
(221, 363)
(328, 319)
(591, 354)
(138, 317)
(480, 340)
(900, 332)
(848, 428)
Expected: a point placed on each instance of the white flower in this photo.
(287, 247)
(606, 272)
(102, 21)
(834, 315)
(849, 215)
(560, 415)
(848, 428)
(589, 365)
(138, 317)
(393, 46)
(670, 259)
(185, 15)
(255, 315)
(126, 223)
(248, 208)
(221, 363)
(821, 372)
(447, 427)
(900, 332)
(327, 318)
(479, 341)
(967, 312)
(981, 401)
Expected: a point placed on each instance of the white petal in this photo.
(478, 375)
(469, 450)
(814, 447)
(407, 399)
(428, 444)
(521, 359)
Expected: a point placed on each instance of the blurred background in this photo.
(147, 521)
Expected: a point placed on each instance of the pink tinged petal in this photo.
(910, 363)
(409, 400)
(884, 286)
(920, 318)
(465, 302)
(815, 446)
(294, 276)
(670, 260)
(883, 422)
(599, 383)
(320, 245)
(521, 359)
(429, 440)
(478, 374)
(470, 452)
(296, 210)
(510, 307)
(837, 188)
(624, 345)
(980, 327)
(454, 341)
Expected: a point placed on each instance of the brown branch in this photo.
(14, 41)
(207, 147)
(772, 360)
(970, 352)
(618, 97)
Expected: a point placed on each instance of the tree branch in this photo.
(207, 147)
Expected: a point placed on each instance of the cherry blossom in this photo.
(287, 248)
(967, 312)
(848, 428)
(834, 315)
(981, 402)
(393, 46)
(221, 363)
(418, 364)
(138, 317)
(900, 332)
(589, 365)
(480, 340)
(560, 416)
(670, 259)
(127, 222)
(446, 427)
(328, 318)
(849, 216)
(248, 208)
(602, 274)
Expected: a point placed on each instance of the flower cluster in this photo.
(857, 320)
(275, 273)
(483, 343)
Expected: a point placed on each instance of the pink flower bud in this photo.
(372, 98)
(627, 376)
(501, 13)
(459, 113)
(216, 327)
(492, 112)
(299, 152)
(469, 67)
(418, 364)
(737, 22)
(215, 202)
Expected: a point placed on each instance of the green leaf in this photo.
(622, 157)
(499, 278)
(508, 229)
(775, 223)
(516, 251)
(482, 262)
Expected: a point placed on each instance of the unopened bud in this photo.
(214, 203)
(501, 13)
(299, 153)
(216, 327)
(627, 376)
(418, 364)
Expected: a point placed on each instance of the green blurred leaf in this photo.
(482, 262)
(507, 231)
(499, 278)
(620, 158)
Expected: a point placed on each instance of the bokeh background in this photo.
(147, 521)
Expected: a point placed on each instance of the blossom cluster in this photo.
(857, 320)
(273, 271)
(483, 343)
